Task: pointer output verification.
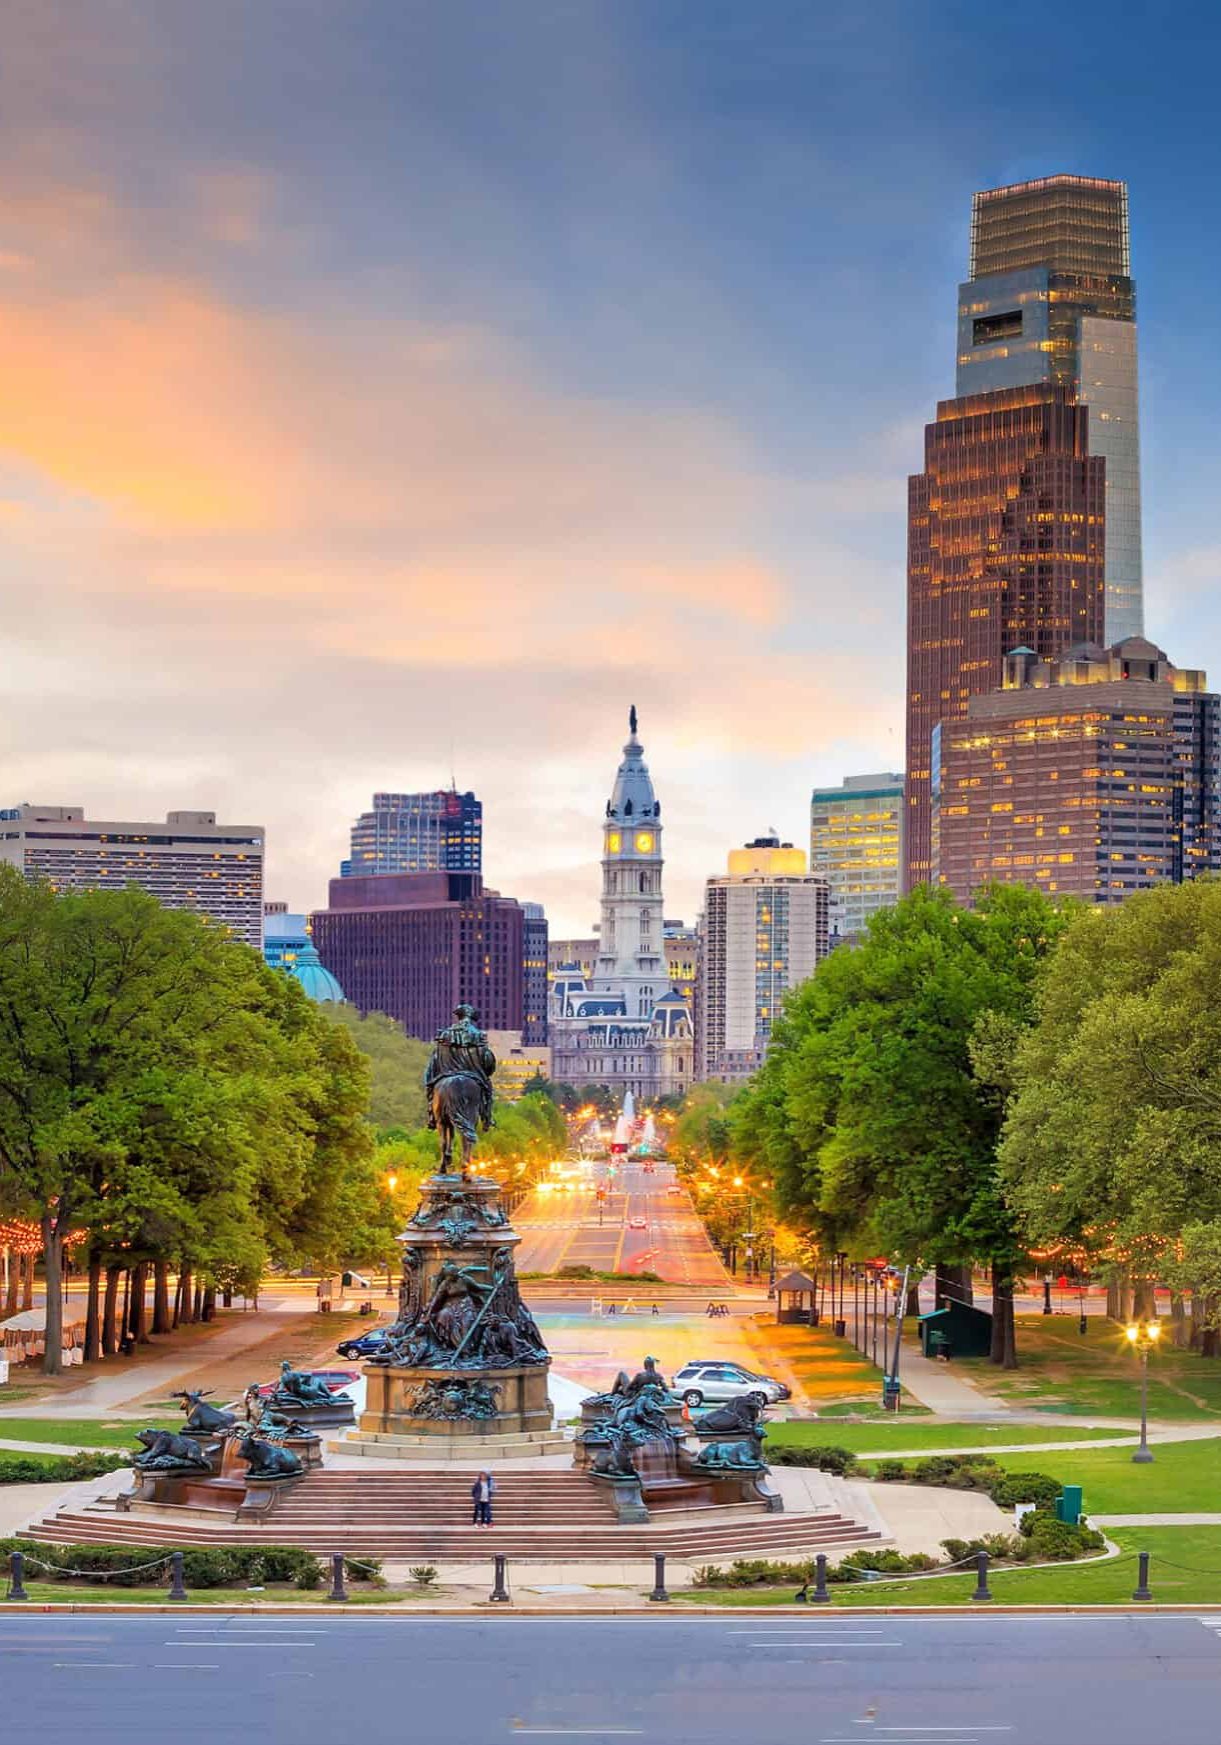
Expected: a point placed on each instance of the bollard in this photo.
(500, 1592)
(659, 1577)
(338, 1590)
(1142, 1580)
(16, 1576)
(981, 1577)
(820, 1596)
(177, 1589)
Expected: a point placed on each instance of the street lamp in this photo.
(1143, 1337)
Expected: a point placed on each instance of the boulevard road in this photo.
(562, 1229)
(666, 1680)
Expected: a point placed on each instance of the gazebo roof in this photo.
(795, 1281)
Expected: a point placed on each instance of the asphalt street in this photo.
(842, 1679)
(565, 1227)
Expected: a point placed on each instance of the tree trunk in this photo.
(53, 1255)
(913, 1300)
(226, 1299)
(1004, 1338)
(27, 1283)
(1114, 1302)
(1178, 1319)
(197, 1302)
(110, 1311)
(136, 1328)
(93, 1340)
(161, 1296)
(1125, 1301)
(952, 1284)
(209, 1303)
(14, 1284)
(177, 1316)
(184, 1293)
(1144, 1303)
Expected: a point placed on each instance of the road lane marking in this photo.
(98, 1665)
(186, 1666)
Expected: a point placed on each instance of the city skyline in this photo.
(372, 415)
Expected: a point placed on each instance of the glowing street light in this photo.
(1143, 1336)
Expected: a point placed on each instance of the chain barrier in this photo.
(99, 1574)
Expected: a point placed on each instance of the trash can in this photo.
(939, 1346)
(890, 1393)
(1068, 1504)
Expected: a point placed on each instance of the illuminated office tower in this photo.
(1090, 775)
(1006, 526)
(1051, 299)
(408, 833)
(856, 844)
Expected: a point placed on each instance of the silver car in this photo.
(715, 1382)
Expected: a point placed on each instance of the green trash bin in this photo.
(1068, 1504)
(938, 1344)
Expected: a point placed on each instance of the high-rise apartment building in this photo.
(414, 945)
(856, 844)
(1093, 775)
(188, 862)
(1006, 531)
(765, 929)
(1051, 299)
(407, 833)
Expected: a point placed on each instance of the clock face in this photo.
(644, 842)
(614, 842)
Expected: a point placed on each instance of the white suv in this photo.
(717, 1382)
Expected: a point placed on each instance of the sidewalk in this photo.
(936, 1387)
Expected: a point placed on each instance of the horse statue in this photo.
(458, 1085)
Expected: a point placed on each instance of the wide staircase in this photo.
(541, 1516)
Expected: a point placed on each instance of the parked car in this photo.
(711, 1382)
(364, 1345)
(336, 1379)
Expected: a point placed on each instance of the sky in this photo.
(392, 392)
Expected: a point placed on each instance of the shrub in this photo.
(831, 1459)
(424, 1574)
(129, 1566)
(1025, 1487)
(1053, 1541)
(59, 1468)
(1001, 1547)
(890, 1471)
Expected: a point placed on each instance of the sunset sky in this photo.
(391, 389)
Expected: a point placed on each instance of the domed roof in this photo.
(633, 795)
(313, 975)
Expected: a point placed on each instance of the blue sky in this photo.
(394, 388)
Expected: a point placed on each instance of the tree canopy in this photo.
(396, 1066)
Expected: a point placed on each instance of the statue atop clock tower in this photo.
(631, 957)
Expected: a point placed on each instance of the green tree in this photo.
(397, 1063)
(1112, 1141)
(109, 1005)
(878, 1132)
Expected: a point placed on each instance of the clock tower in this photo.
(632, 953)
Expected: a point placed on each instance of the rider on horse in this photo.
(458, 1084)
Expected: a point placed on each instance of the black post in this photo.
(1047, 1296)
(1142, 1580)
(16, 1576)
(338, 1590)
(500, 1592)
(177, 1589)
(820, 1596)
(659, 1577)
(856, 1306)
(981, 1578)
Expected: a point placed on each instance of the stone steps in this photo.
(768, 1536)
(381, 1445)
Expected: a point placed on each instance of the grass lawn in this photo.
(1185, 1568)
(1185, 1478)
(81, 1432)
(1064, 1371)
(828, 1369)
(920, 1432)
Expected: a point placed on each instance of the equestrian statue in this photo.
(458, 1086)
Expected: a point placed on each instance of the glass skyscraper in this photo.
(437, 832)
(1051, 299)
(856, 844)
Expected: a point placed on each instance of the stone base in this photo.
(496, 1445)
(522, 1404)
(325, 1417)
(250, 1499)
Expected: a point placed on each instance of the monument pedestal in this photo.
(393, 1399)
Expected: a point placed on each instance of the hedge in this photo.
(220, 1566)
(58, 1468)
